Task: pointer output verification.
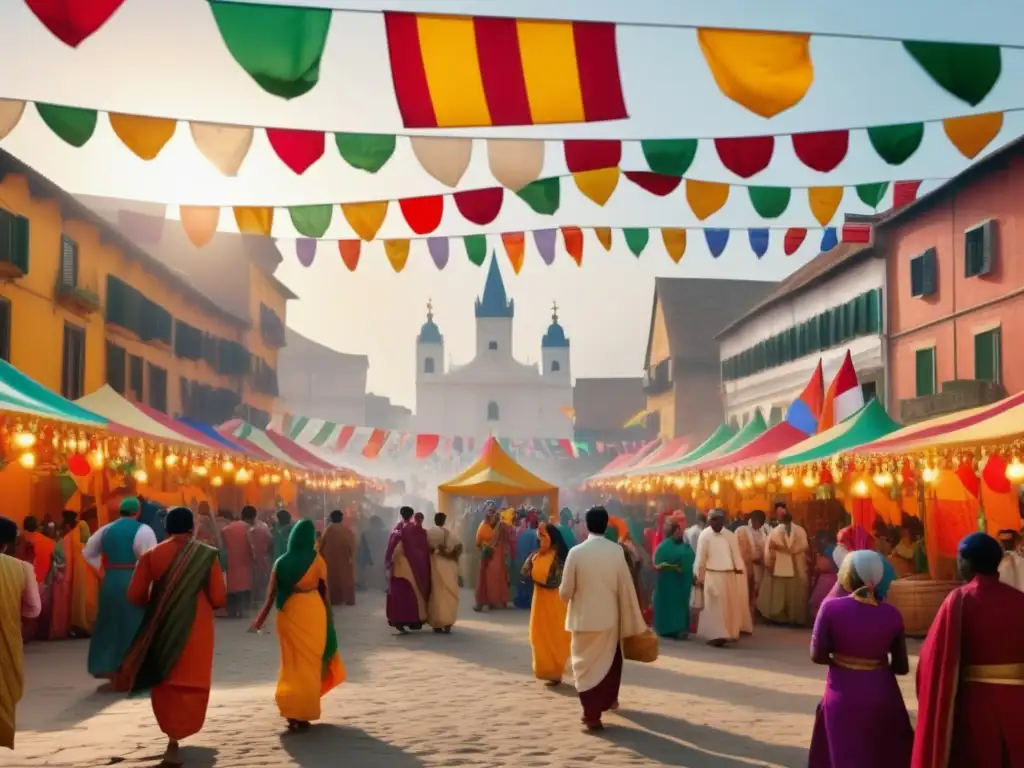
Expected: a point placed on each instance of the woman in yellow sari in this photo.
(549, 640)
(310, 663)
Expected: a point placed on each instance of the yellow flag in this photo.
(674, 239)
(824, 202)
(706, 197)
(144, 136)
(604, 237)
(365, 218)
(972, 133)
(766, 72)
(599, 184)
(397, 252)
(253, 220)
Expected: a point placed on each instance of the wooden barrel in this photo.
(918, 599)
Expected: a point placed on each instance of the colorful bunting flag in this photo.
(439, 250)
(397, 252)
(465, 72)
(366, 151)
(822, 150)
(254, 220)
(73, 125)
(365, 218)
(199, 222)
(674, 239)
(573, 237)
(717, 240)
(10, 115)
(144, 136)
(476, 248)
(515, 249)
(73, 21)
(480, 206)
(746, 156)
(706, 197)
(794, 238)
(967, 71)
(297, 149)
(349, 250)
(544, 239)
(515, 162)
(604, 237)
(972, 133)
(225, 146)
(305, 250)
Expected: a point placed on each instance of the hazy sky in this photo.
(167, 59)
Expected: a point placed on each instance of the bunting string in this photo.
(549, 242)
(514, 163)
(462, 71)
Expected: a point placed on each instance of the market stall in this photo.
(495, 474)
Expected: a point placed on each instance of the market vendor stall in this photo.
(495, 474)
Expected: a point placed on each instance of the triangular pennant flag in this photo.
(397, 252)
(717, 240)
(225, 146)
(967, 71)
(297, 149)
(422, 214)
(73, 125)
(11, 111)
(824, 202)
(366, 151)
(871, 194)
(544, 239)
(305, 250)
(658, 184)
(254, 220)
(829, 240)
(365, 218)
(446, 158)
(476, 248)
(760, 239)
(972, 133)
(345, 435)
(375, 443)
(543, 196)
(311, 220)
(515, 249)
(636, 239)
(822, 150)
(73, 21)
(426, 445)
(766, 72)
(279, 46)
(323, 434)
(670, 157)
(746, 156)
(896, 143)
(794, 238)
(439, 251)
(480, 206)
(674, 239)
(769, 202)
(199, 222)
(706, 197)
(515, 162)
(604, 237)
(597, 185)
(144, 136)
(573, 237)
(349, 250)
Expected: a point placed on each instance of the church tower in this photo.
(554, 348)
(494, 315)
(429, 349)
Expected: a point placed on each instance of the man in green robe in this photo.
(673, 560)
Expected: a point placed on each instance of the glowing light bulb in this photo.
(930, 474)
(227, 466)
(810, 480)
(217, 481)
(275, 478)
(760, 479)
(24, 439)
(171, 460)
(714, 487)
(140, 476)
(883, 479)
(96, 459)
(200, 470)
(243, 476)
(788, 481)
(860, 488)
(158, 462)
(27, 460)
(1015, 471)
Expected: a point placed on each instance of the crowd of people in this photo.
(146, 595)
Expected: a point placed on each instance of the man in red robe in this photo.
(970, 676)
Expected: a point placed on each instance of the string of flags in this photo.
(374, 443)
(546, 242)
(514, 163)
(463, 71)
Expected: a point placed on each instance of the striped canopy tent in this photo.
(118, 410)
(307, 457)
(763, 449)
(495, 474)
(24, 395)
(752, 430)
(632, 459)
(611, 466)
(669, 451)
(870, 423)
(999, 423)
(718, 438)
(225, 444)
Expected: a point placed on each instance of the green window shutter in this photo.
(988, 356)
(874, 311)
(925, 371)
(814, 334)
(930, 272)
(20, 244)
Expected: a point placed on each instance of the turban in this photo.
(130, 506)
(982, 552)
(716, 512)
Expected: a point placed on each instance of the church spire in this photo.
(494, 302)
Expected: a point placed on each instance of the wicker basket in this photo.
(918, 599)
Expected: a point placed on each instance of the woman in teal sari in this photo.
(673, 561)
(564, 527)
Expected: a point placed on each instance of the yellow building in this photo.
(84, 302)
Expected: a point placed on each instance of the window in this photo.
(925, 365)
(979, 249)
(155, 322)
(157, 389)
(555, 366)
(14, 242)
(775, 416)
(924, 274)
(734, 423)
(988, 356)
(72, 376)
(117, 363)
(5, 329)
(428, 365)
(492, 345)
(869, 390)
(68, 262)
(135, 385)
(493, 414)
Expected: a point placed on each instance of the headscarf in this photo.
(130, 506)
(621, 529)
(565, 516)
(865, 568)
(509, 516)
(982, 552)
(179, 521)
(292, 566)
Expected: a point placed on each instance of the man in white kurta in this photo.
(751, 538)
(1011, 568)
(719, 571)
(783, 597)
(693, 532)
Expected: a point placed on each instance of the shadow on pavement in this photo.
(740, 750)
(325, 744)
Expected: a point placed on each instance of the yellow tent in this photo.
(495, 473)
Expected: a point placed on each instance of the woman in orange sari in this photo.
(549, 641)
(310, 663)
(83, 581)
(492, 539)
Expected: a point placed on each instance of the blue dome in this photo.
(429, 332)
(555, 337)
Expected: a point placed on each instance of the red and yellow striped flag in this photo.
(468, 71)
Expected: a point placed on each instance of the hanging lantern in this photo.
(200, 470)
(24, 440)
(860, 488)
(217, 481)
(227, 466)
(243, 476)
(760, 479)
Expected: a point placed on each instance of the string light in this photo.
(760, 479)
(1015, 471)
(216, 481)
(96, 459)
(243, 476)
(140, 476)
(27, 460)
(227, 466)
(860, 488)
(788, 481)
(200, 470)
(171, 460)
(930, 474)
(24, 439)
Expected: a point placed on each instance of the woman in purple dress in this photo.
(862, 720)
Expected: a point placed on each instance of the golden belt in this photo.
(861, 665)
(993, 674)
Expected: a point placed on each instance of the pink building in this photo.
(955, 290)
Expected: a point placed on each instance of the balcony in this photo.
(76, 298)
(658, 378)
(955, 396)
